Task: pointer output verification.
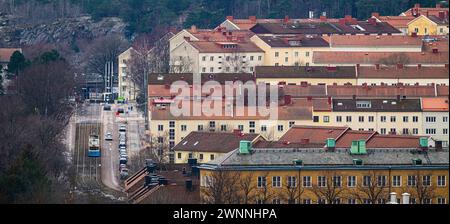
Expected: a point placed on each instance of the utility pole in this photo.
(146, 98)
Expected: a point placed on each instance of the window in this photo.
(179, 155)
(211, 58)
(367, 201)
(259, 58)
(171, 124)
(426, 201)
(367, 181)
(338, 118)
(263, 128)
(381, 201)
(212, 124)
(316, 119)
(441, 181)
(223, 127)
(426, 30)
(445, 119)
(277, 64)
(251, 58)
(351, 181)
(441, 200)
(371, 118)
(381, 181)
(306, 201)
(211, 157)
(251, 124)
(370, 129)
(337, 201)
(160, 140)
(251, 131)
(321, 181)
(430, 119)
(412, 201)
(296, 54)
(276, 201)
(291, 123)
(361, 118)
(383, 131)
(171, 134)
(415, 131)
(307, 64)
(405, 119)
(276, 181)
(204, 58)
(190, 155)
(307, 181)
(326, 119)
(430, 131)
(396, 181)
(351, 201)
(227, 69)
(261, 182)
(200, 127)
(363, 104)
(251, 69)
(241, 127)
(349, 118)
(426, 180)
(405, 131)
(203, 69)
(286, 59)
(259, 201)
(393, 131)
(321, 201)
(337, 181)
(412, 181)
(445, 131)
(415, 119)
(292, 181)
(211, 69)
(280, 127)
(307, 54)
(160, 127)
(393, 118)
(183, 127)
(416, 29)
(277, 54)
(200, 156)
(383, 118)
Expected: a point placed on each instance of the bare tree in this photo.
(221, 188)
(181, 65)
(155, 148)
(292, 192)
(263, 192)
(330, 190)
(234, 63)
(421, 189)
(247, 187)
(372, 189)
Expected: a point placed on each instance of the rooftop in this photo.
(216, 47)
(168, 79)
(294, 41)
(373, 41)
(380, 91)
(429, 58)
(219, 34)
(417, 10)
(314, 134)
(305, 72)
(377, 105)
(435, 104)
(403, 73)
(396, 21)
(219, 142)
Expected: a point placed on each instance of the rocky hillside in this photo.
(15, 32)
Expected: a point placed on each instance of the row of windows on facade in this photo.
(415, 119)
(228, 69)
(439, 200)
(224, 127)
(200, 156)
(425, 30)
(296, 54)
(229, 58)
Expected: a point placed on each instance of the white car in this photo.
(108, 137)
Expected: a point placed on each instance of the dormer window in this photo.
(294, 42)
(363, 104)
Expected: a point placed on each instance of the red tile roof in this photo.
(373, 41)
(220, 34)
(397, 21)
(304, 91)
(426, 11)
(442, 90)
(346, 139)
(435, 104)
(216, 47)
(314, 134)
(404, 73)
(441, 45)
(380, 91)
(393, 141)
(322, 57)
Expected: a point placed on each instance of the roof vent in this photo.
(423, 141)
(357, 162)
(417, 161)
(358, 147)
(245, 147)
(331, 144)
(298, 162)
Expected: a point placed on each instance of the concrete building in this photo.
(435, 118)
(127, 88)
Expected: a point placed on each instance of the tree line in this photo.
(34, 116)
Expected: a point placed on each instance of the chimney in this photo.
(435, 50)
(442, 15)
(323, 18)
(438, 6)
(286, 19)
(405, 198)
(329, 100)
(354, 97)
(375, 14)
(230, 18)
(419, 66)
(252, 18)
(287, 99)
(446, 66)
(193, 29)
(413, 34)
(237, 132)
(305, 140)
(372, 21)
(342, 22)
(399, 66)
(309, 98)
(377, 66)
(187, 38)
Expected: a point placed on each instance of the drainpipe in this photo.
(299, 186)
(390, 167)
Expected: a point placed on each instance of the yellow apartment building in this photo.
(327, 175)
(429, 25)
(289, 50)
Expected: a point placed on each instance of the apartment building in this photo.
(289, 50)
(301, 75)
(399, 22)
(429, 24)
(329, 174)
(208, 146)
(435, 118)
(127, 89)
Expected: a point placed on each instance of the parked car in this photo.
(120, 111)
(107, 107)
(123, 160)
(108, 137)
(122, 129)
(124, 173)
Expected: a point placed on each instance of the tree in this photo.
(394, 59)
(181, 65)
(1, 80)
(234, 63)
(247, 188)
(293, 192)
(372, 189)
(221, 188)
(264, 194)
(329, 191)
(17, 63)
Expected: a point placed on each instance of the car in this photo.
(122, 129)
(108, 137)
(120, 111)
(123, 152)
(122, 138)
(107, 107)
(124, 173)
(122, 143)
(122, 166)
(123, 160)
